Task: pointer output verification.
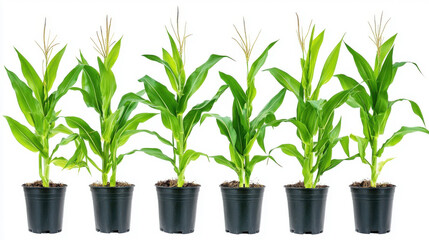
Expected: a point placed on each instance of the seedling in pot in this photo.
(98, 88)
(173, 106)
(37, 102)
(240, 130)
(375, 107)
(314, 116)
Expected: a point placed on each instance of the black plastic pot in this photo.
(45, 207)
(242, 209)
(177, 208)
(372, 209)
(112, 208)
(306, 209)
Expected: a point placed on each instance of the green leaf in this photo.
(235, 88)
(385, 77)
(87, 133)
(333, 103)
(312, 55)
(194, 115)
(107, 86)
(196, 79)
(414, 106)
(113, 55)
(25, 137)
(29, 106)
(51, 71)
(109, 125)
(302, 132)
(121, 137)
(155, 152)
(91, 84)
(256, 159)
(270, 108)
(328, 69)
(286, 80)
(291, 150)
(169, 66)
(68, 81)
(345, 145)
(60, 129)
(362, 145)
(159, 94)
(188, 156)
(397, 137)
(384, 49)
(225, 126)
(64, 141)
(359, 97)
(260, 138)
(223, 161)
(335, 162)
(33, 79)
(364, 70)
(160, 138)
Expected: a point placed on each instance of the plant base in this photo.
(45, 207)
(306, 209)
(112, 208)
(242, 209)
(177, 208)
(372, 209)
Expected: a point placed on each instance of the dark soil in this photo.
(39, 183)
(118, 184)
(300, 184)
(367, 184)
(173, 183)
(236, 184)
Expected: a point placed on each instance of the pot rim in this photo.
(164, 187)
(108, 187)
(307, 189)
(31, 187)
(376, 188)
(223, 187)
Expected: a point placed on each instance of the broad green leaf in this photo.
(384, 49)
(60, 129)
(333, 103)
(51, 71)
(87, 133)
(194, 115)
(68, 82)
(314, 51)
(328, 69)
(188, 156)
(397, 137)
(91, 84)
(381, 165)
(400, 64)
(155, 152)
(364, 70)
(235, 88)
(64, 141)
(225, 126)
(345, 145)
(414, 106)
(290, 149)
(256, 159)
(260, 138)
(359, 97)
(29, 106)
(109, 125)
(362, 145)
(160, 138)
(172, 74)
(33, 79)
(302, 130)
(223, 161)
(286, 80)
(385, 77)
(269, 108)
(196, 79)
(120, 137)
(107, 86)
(113, 55)
(25, 137)
(335, 162)
(131, 97)
(171, 122)
(159, 94)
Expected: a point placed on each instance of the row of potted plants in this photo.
(177, 199)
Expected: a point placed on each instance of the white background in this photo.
(142, 26)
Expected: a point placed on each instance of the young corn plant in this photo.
(375, 107)
(314, 116)
(240, 130)
(98, 88)
(173, 106)
(38, 103)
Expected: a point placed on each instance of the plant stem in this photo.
(181, 151)
(104, 159)
(113, 176)
(308, 164)
(374, 163)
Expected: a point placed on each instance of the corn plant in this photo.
(98, 88)
(314, 116)
(38, 103)
(172, 106)
(375, 107)
(240, 130)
